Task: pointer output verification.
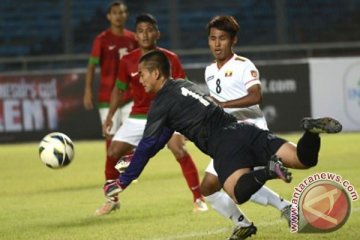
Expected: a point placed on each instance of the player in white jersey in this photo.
(233, 82)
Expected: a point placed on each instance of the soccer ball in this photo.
(56, 150)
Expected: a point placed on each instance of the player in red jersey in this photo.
(130, 133)
(107, 50)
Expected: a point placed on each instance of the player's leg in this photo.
(125, 140)
(127, 136)
(223, 204)
(231, 182)
(220, 201)
(248, 229)
(244, 182)
(111, 174)
(120, 166)
(241, 184)
(118, 149)
(305, 154)
(177, 146)
(265, 196)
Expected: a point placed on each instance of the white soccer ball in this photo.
(56, 150)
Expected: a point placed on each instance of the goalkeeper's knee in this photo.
(245, 187)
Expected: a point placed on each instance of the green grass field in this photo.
(40, 203)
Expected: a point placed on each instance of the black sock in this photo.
(250, 183)
(308, 149)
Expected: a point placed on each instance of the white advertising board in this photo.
(335, 90)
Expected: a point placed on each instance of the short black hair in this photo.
(115, 3)
(224, 23)
(156, 59)
(146, 17)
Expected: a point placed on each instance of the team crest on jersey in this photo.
(210, 78)
(228, 73)
(254, 73)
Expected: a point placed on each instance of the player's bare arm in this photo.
(253, 97)
(88, 96)
(115, 103)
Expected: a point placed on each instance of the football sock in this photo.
(249, 183)
(110, 171)
(266, 196)
(226, 207)
(191, 175)
(308, 149)
(113, 198)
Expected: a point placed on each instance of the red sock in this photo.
(191, 175)
(110, 172)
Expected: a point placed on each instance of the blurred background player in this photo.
(233, 82)
(130, 133)
(107, 49)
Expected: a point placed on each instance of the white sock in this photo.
(265, 196)
(224, 205)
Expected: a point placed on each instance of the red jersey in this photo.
(107, 50)
(129, 76)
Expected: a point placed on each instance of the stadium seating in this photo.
(36, 27)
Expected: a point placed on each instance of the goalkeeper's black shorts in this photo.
(241, 145)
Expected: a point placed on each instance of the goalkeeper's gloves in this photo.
(111, 189)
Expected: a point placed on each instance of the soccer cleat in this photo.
(285, 213)
(241, 233)
(124, 163)
(108, 207)
(321, 125)
(276, 169)
(200, 206)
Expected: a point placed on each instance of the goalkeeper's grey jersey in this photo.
(181, 106)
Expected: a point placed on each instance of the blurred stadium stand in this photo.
(42, 34)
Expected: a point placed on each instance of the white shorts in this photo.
(210, 168)
(259, 122)
(131, 131)
(119, 117)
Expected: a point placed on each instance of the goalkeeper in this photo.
(235, 147)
